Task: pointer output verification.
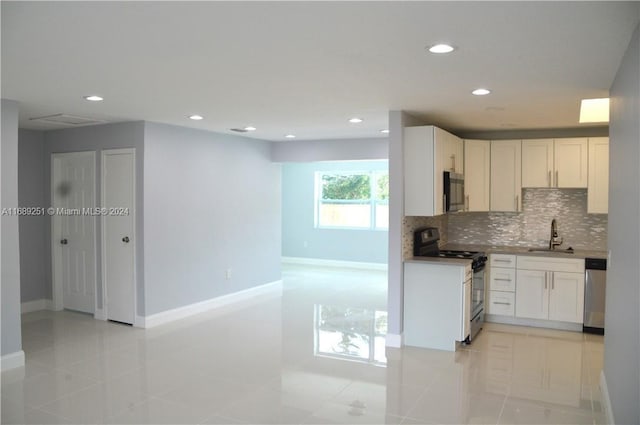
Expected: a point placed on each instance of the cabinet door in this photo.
(532, 294)
(420, 176)
(537, 163)
(477, 165)
(598, 179)
(566, 298)
(506, 177)
(452, 153)
(570, 157)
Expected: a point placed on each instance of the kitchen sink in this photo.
(559, 251)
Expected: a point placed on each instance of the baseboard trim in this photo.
(606, 401)
(548, 324)
(274, 288)
(393, 340)
(100, 314)
(335, 263)
(12, 360)
(36, 305)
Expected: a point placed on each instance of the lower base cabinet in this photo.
(550, 295)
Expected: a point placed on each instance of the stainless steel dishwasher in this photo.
(595, 288)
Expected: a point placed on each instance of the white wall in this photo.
(330, 150)
(622, 319)
(10, 247)
(212, 203)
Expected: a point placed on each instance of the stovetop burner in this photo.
(426, 245)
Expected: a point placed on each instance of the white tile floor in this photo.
(314, 356)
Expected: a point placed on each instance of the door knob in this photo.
(125, 239)
(64, 242)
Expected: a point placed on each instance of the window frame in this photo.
(372, 202)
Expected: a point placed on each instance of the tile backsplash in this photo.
(410, 224)
(532, 226)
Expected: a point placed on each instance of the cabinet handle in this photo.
(453, 163)
(502, 280)
(557, 179)
(444, 203)
(549, 178)
(500, 260)
(546, 275)
(501, 303)
(468, 203)
(553, 281)
(517, 202)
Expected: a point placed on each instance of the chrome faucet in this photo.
(554, 241)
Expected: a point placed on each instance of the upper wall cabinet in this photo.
(506, 175)
(452, 153)
(477, 165)
(598, 187)
(555, 163)
(424, 164)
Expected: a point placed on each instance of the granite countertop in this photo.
(439, 260)
(524, 250)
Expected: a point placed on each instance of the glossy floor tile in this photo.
(315, 355)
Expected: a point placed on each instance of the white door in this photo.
(73, 231)
(571, 162)
(506, 176)
(118, 238)
(477, 165)
(537, 163)
(566, 299)
(532, 294)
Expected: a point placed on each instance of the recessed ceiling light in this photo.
(250, 128)
(290, 136)
(196, 117)
(385, 131)
(480, 92)
(355, 120)
(594, 110)
(441, 48)
(93, 98)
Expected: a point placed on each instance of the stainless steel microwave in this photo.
(453, 192)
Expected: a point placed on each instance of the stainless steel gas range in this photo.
(425, 244)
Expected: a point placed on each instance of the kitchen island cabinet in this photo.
(437, 303)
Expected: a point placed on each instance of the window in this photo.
(357, 200)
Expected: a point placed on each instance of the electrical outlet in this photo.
(228, 274)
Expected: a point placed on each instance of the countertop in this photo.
(524, 250)
(439, 260)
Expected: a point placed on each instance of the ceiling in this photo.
(307, 67)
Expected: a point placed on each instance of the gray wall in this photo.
(212, 202)
(10, 247)
(330, 150)
(35, 275)
(622, 339)
(398, 120)
(97, 138)
(532, 227)
(301, 238)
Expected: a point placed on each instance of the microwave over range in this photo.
(453, 192)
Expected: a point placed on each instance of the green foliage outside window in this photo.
(346, 186)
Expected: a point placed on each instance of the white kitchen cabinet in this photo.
(598, 179)
(570, 162)
(558, 163)
(550, 288)
(437, 299)
(452, 153)
(423, 170)
(532, 294)
(502, 285)
(506, 175)
(477, 178)
(537, 163)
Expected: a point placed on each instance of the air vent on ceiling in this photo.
(239, 130)
(66, 119)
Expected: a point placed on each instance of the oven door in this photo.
(477, 292)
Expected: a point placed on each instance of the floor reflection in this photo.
(347, 333)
